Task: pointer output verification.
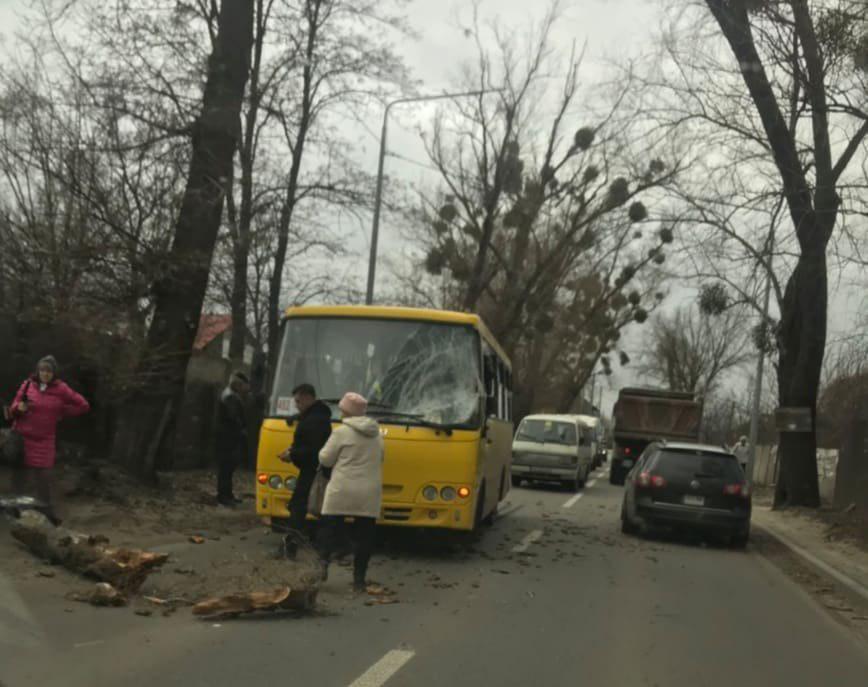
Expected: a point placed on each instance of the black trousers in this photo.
(361, 532)
(228, 459)
(298, 502)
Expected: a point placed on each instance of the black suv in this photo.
(688, 486)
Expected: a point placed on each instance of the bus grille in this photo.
(401, 514)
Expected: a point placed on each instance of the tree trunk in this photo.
(180, 290)
(247, 155)
(802, 342)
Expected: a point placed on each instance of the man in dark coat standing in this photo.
(231, 436)
(312, 430)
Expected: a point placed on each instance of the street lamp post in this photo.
(378, 197)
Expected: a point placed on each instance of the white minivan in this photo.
(552, 448)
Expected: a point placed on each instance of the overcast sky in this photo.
(611, 29)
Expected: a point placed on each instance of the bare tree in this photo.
(783, 108)
(180, 292)
(690, 350)
(544, 234)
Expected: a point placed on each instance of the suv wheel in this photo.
(627, 527)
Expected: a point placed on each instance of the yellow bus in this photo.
(438, 383)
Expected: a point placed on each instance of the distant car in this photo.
(688, 486)
(552, 448)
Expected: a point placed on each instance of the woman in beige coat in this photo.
(354, 452)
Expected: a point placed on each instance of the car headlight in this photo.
(275, 482)
(430, 493)
(290, 483)
(447, 493)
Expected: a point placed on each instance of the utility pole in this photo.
(378, 196)
(760, 363)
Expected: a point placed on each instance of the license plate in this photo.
(628, 463)
(690, 500)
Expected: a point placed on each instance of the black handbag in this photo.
(13, 446)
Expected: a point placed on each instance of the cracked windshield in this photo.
(415, 370)
(434, 343)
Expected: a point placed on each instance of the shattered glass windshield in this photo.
(425, 370)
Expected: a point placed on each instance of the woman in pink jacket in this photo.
(42, 401)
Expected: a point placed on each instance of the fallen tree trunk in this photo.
(283, 598)
(124, 569)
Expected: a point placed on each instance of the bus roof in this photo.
(401, 313)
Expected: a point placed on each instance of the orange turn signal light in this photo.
(463, 492)
(262, 478)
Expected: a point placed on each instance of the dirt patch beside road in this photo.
(212, 550)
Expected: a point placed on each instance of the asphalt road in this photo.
(552, 594)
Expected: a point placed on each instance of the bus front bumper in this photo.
(455, 516)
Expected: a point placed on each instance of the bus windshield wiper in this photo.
(415, 417)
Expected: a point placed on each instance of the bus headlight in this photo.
(447, 494)
(430, 493)
(290, 483)
(275, 482)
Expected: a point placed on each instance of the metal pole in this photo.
(378, 197)
(758, 387)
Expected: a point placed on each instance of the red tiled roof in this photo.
(210, 327)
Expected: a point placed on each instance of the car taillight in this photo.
(646, 479)
(627, 451)
(742, 490)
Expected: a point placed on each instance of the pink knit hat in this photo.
(353, 404)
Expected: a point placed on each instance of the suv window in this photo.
(689, 464)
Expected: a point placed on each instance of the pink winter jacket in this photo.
(38, 424)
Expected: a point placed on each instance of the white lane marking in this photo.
(569, 503)
(379, 673)
(529, 539)
(95, 642)
(591, 483)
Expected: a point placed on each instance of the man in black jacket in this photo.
(231, 436)
(312, 430)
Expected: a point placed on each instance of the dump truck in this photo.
(644, 415)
